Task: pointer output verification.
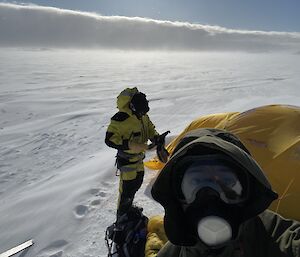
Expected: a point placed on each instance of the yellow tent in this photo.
(272, 135)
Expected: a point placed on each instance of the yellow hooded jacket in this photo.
(126, 127)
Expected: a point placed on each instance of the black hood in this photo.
(208, 141)
(139, 104)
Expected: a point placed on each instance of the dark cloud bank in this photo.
(36, 26)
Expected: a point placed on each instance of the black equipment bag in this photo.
(127, 236)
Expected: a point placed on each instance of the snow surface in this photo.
(57, 177)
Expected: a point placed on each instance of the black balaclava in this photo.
(179, 220)
(216, 191)
(139, 104)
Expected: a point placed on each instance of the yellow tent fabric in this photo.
(207, 121)
(156, 237)
(272, 135)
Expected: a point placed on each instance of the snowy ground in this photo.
(57, 177)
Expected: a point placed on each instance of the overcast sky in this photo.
(275, 15)
(39, 26)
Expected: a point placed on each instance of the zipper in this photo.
(143, 131)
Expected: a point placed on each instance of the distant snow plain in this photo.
(57, 177)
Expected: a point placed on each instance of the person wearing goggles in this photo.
(216, 197)
(128, 132)
(214, 181)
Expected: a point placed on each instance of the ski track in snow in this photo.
(57, 177)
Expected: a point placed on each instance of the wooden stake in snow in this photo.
(17, 249)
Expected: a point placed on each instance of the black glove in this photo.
(162, 154)
(161, 151)
(159, 140)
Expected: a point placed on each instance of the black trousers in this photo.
(127, 189)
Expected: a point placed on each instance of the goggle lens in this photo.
(215, 175)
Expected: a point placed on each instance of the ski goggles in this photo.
(216, 173)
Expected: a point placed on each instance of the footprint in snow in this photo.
(56, 244)
(97, 192)
(94, 191)
(106, 184)
(102, 194)
(95, 202)
(55, 248)
(80, 211)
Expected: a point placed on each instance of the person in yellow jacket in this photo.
(215, 197)
(128, 132)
